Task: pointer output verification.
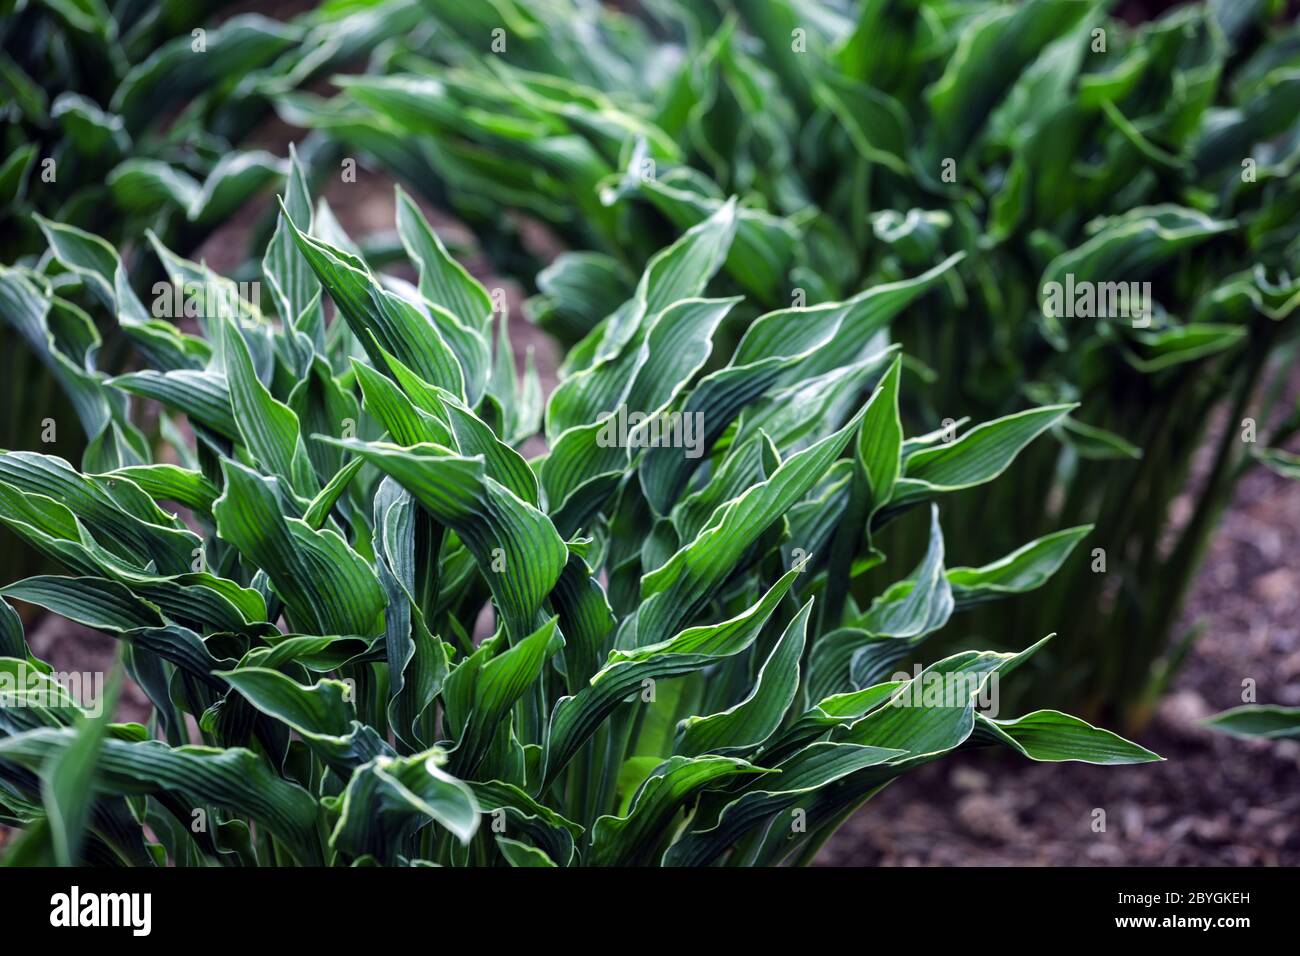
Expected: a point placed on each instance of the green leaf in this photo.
(268, 428)
(327, 586)
(979, 455)
(443, 280)
(12, 642)
(1284, 463)
(67, 780)
(633, 839)
(808, 770)
(1024, 569)
(749, 723)
(521, 854)
(674, 592)
(319, 713)
(576, 718)
(500, 530)
(880, 440)
(678, 272)
(991, 52)
(167, 482)
(235, 779)
(390, 798)
(499, 684)
(1258, 720)
(1049, 735)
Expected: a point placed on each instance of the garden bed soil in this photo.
(1215, 800)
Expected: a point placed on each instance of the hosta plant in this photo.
(382, 635)
(124, 117)
(1061, 153)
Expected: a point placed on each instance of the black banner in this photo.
(188, 905)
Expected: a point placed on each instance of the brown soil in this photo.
(1214, 801)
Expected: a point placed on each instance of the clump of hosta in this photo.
(382, 635)
(1115, 208)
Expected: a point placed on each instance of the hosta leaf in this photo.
(67, 780)
(293, 287)
(145, 185)
(98, 602)
(14, 173)
(328, 587)
(1169, 347)
(1258, 720)
(909, 611)
(233, 181)
(443, 280)
(1024, 569)
(776, 349)
(269, 428)
(383, 321)
(991, 53)
(521, 854)
(473, 437)
(30, 311)
(1284, 463)
(924, 726)
(34, 699)
(405, 423)
(633, 839)
(108, 606)
(417, 661)
(760, 253)
(12, 641)
(627, 395)
(674, 592)
(173, 71)
(123, 519)
(202, 396)
(167, 482)
(1128, 248)
(851, 323)
(1049, 735)
(235, 779)
(809, 769)
(577, 290)
(875, 122)
(678, 272)
(1094, 443)
(97, 264)
(879, 446)
(544, 826)
(500, 530)
(319, 713)
(392, 797)
(979, 455)
(750, 722)
(576, 718)
(586, 620)
(498, 684)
